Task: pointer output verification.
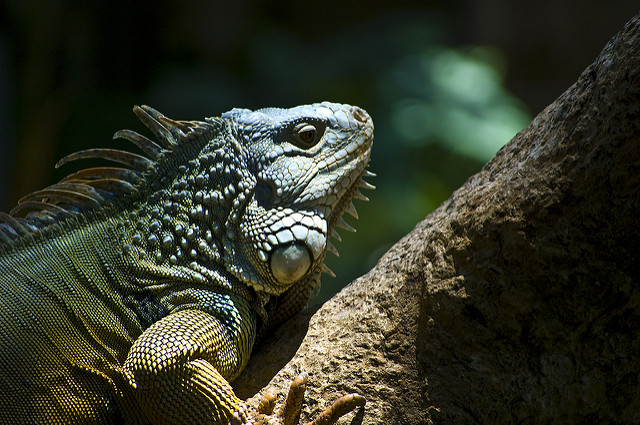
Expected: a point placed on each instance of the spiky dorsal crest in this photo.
(93, 188)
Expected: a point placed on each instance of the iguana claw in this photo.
(268, 402)
(289, 414)
(340, 407)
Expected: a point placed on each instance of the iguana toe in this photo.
(289, 414)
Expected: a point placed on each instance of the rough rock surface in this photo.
(518, 300)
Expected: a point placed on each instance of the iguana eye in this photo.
(306, 135)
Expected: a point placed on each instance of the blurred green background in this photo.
(446, 82)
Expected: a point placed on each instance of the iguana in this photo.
(134, 293)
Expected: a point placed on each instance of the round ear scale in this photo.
(289, 263)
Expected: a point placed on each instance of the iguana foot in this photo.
(290, 412)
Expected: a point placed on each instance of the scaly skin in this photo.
(135, 294)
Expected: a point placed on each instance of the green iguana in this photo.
(135, 294)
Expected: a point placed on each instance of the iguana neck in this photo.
(183, 227)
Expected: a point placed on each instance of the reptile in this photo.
(134, 293)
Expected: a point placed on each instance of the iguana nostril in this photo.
(360, 115)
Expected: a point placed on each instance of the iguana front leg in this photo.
(177, 370)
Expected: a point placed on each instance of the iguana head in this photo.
(306, 165)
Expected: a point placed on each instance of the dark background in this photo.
(446, 82)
